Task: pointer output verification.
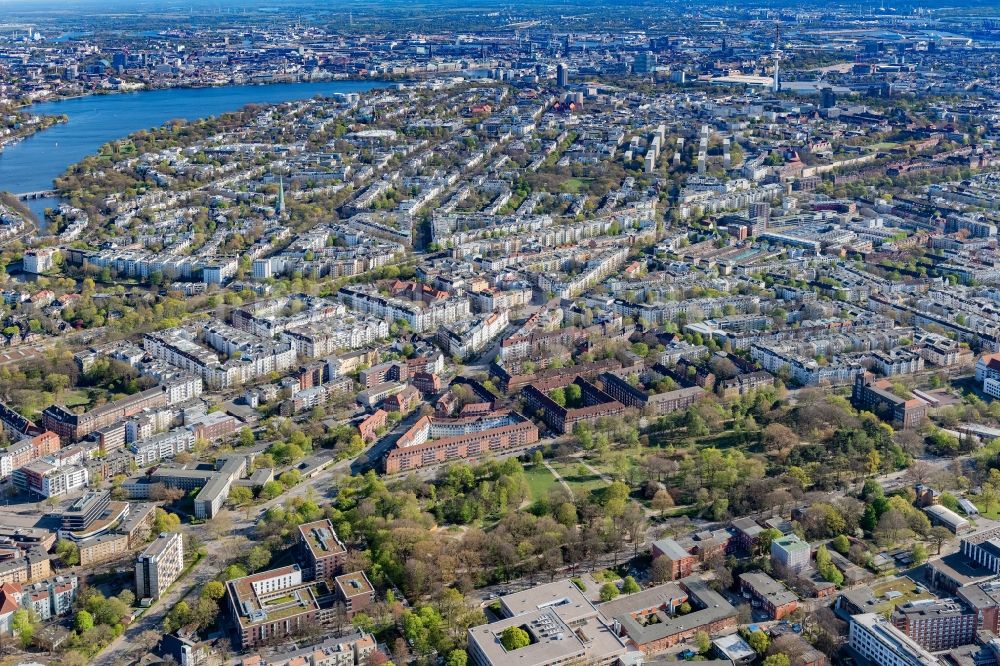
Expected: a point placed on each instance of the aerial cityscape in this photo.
(470, 333)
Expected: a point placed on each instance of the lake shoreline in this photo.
(26, 106)
(33, 164)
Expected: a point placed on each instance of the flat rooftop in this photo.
(552, 640)
(770, 589)
(353, 584)
(562, 596)
(647, 616)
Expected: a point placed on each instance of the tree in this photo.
(873, 463)
(271, 489)
(778, 437)
(662, 501)
(68, 552)
(83, 622)
(159, 492)
(841, 544)
(179, 616)
(363, 622)
(458, 658)
(233, 571)
(23, 625)
(762, 544)
(629, 586)
(558, 396)
(609, 591)
(939, 535)
(827, 569)
(164, 521)
(891, 527)
(565, 514)
(661, 570)
(213, 590)
(759, 641)
(919, 553)
(378, 658)
(777, 660)
(73, 658)
(514, 638)
(257, 558)
(704, 643)
(239, 496)
(574, 394)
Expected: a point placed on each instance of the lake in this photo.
(33, 164)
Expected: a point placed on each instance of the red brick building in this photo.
(596, 405)
(372, 424)
(770, 595)
(73, 427)
(404, 401)
(682, 562)
(650, 622)
(426, 382)
(322, 551)
(355, 591)
(435, 440)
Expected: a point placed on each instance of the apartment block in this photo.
(272, 605)
(434, 440)
(159, 565)
(874, 638)
(878, 397)
(322, 551)
(935, 624)
(355, 591)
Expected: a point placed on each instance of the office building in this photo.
(83, 512)
(827, 98)
(651, 622)
(644, 63)
(877, 396)
(562, 75)
(565, 627)
(983, 548)
(790, 552)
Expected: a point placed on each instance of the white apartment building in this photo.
(877, 640)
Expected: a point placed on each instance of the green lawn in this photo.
(992, 514)
(75, 398)
(729, 439)
(574, 185)
(540, 480)
(905, 586)
(582, 484)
